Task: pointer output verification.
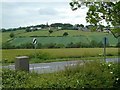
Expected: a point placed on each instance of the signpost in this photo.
(105, 42)
(35, 43)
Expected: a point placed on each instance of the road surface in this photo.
(54, 66)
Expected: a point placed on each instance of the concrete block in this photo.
(22, 63)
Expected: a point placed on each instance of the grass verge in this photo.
(90, 75)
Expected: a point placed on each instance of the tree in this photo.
(65, 33)
(3, 30)
(28, 30)
(56, 25)
(81, 25)
(98, 11)
(12, 35)
(50, 31)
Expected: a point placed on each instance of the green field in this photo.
(10, 54)
(64, 40)
(6, 37)
(43, 37)
(46, 40)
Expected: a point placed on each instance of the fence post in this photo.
(22, 63)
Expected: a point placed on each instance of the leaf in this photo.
(71, 4)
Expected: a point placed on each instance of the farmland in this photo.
(43, 37)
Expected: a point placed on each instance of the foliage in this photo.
(50, 45)
(110, 11)
(118, 45)
(98, 11)
(65, 34)
(28, 30)
(7, 45)
(40, 55)
(11, 35)
(50, 31)
(15, 79)
(93, 74)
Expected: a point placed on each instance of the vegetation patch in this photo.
(10, 54)
(93, 74)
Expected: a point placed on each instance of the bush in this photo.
(26, 46)
(65, 34)
(7, 45)
(50, 45)
(118, 44)
(14, 79)
(94, 75)
(59, 46)
(41, 55)
(12, 35)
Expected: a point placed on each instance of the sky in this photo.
(20, 13)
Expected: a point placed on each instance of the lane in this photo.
(55, 66)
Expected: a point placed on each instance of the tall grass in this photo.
(59, 53)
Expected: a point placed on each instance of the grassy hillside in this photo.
(6, 37)
(46, 40)
(22, 37)
(60, 33)
(64, 40)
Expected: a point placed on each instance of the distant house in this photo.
(35, 28)
(54, 28)
(83, 29)
(38, 27)
(59, 28)
(32, 28)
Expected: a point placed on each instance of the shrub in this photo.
(59, 46)
(94, 75)
(65, 33)
(7, 45)
(12, 35)
(41, 55)
(50, 45)
(118, 44)
(14, 79)
(91, 74)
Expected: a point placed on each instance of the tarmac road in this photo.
(55, 66)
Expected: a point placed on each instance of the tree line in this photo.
(64, 26)
(92, 44)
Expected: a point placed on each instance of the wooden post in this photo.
(22, 63)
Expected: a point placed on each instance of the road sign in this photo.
(35, 43)
(34, 40)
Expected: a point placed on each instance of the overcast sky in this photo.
(16, 13)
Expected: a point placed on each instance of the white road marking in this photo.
(40, 67)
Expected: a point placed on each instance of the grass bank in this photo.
(49, 55)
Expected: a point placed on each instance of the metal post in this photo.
(105, 49)
(35, 51)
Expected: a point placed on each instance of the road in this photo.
(54, 66)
